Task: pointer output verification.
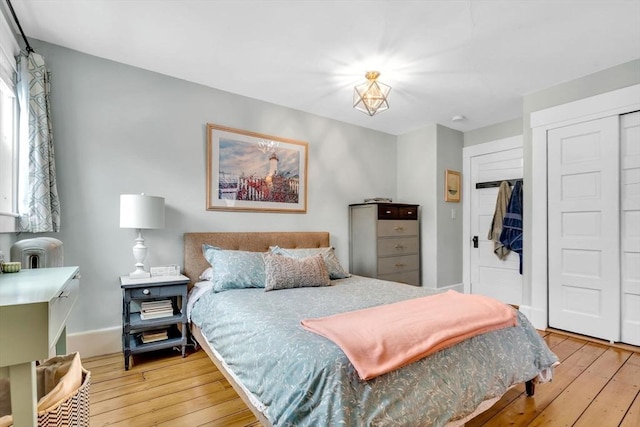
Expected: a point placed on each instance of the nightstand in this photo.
(163, 323)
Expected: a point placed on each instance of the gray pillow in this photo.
(328, 255)
(285, 273)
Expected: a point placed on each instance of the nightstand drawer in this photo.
(157, 291)
(397, 228)
(398, 264)
(397, 246)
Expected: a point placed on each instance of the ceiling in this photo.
(474, 58)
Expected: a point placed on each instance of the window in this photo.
(8, 128)
(8, 149)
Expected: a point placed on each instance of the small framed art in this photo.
(452, 186)
(248, 171)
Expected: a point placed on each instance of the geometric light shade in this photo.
(371, 97)
(141, 212)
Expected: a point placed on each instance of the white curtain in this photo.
(39, 206)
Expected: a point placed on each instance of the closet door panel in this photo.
(630, 226)
(583, 233)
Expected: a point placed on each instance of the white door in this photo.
(583, 230)
(491, 276)
(630, 226)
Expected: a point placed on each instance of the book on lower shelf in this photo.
(155, 309)
(153, 336)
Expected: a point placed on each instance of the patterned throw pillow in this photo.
(234, 269)
(328, 255)
(285, 273)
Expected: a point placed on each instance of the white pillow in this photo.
(207, 274)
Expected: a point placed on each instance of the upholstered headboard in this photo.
(195, 263)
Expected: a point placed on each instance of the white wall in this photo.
(120, 129)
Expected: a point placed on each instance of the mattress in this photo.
(297, 378)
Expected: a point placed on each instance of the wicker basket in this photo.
(72, 411)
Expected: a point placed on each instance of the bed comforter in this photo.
(302, 379)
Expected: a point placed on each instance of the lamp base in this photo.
(139, 253)
(139, 274)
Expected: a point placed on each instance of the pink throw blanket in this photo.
(381, 339)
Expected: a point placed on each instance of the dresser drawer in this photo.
(387, 212)
(397, 228)
(397, 246)
(60, 307)
(407, 277)
(408, 212)
(397, 211)
(157, 291)
(398, 264)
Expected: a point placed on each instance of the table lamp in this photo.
(141, 212)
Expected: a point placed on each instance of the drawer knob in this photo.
(400, 265)
(399, 247)
(146, 291)
(409, 212)
(399, 228)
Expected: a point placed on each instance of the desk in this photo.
(34, 308)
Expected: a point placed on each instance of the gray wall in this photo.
(449, 229)
(417, 165)
(423, 156)
(493, 132)
(120, 129)
(623, 75)
(6, 240)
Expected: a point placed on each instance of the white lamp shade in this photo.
(141, 211)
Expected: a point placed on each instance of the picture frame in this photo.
(452, 186)
(249, 171)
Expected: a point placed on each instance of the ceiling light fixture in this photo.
(371, 97)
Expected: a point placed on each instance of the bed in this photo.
(289, 376)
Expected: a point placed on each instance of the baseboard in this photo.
(96, 343)
(537, 317)
(620, 345)
(458, 287)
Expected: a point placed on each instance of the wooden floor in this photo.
(596, 385)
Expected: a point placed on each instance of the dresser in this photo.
(34, 308)
(384, 241)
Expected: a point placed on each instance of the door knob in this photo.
(475, 241)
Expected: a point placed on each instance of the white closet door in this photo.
(583, 217)
(630, 226)
(491, 276)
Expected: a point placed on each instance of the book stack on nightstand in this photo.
(154, 314)
(155, 309)
(153, 336)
